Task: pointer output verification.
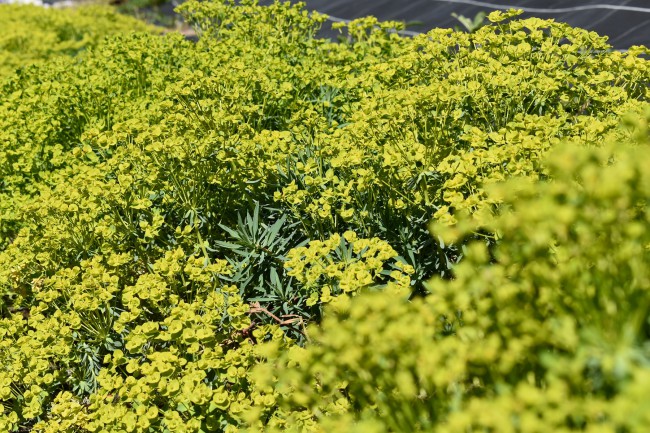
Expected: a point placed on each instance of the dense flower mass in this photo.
(34, 35)
(546, 331)
(269, 231)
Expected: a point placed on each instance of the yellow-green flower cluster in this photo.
(547, 331)
(172, 363)
(34, 35)
(166, 206)
(345, 265)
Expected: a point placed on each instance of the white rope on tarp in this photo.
(549, 10)
(343, 20)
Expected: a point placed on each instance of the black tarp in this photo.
(625, 22)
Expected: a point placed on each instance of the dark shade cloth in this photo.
(624, 28)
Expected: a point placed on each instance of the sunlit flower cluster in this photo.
(174, 214)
